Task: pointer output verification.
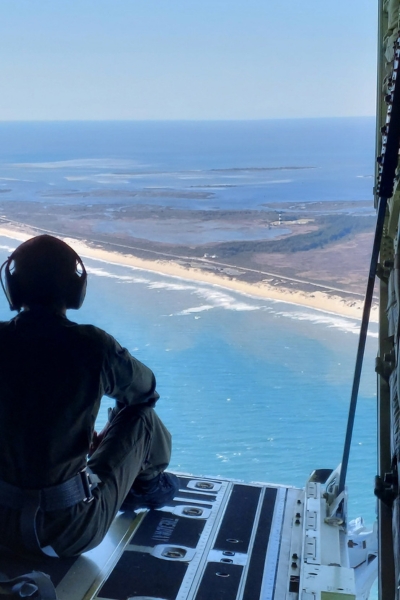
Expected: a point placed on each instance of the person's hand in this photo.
(94, 443)
(97, 438)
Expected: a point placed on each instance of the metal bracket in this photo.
(384, 368)
(387, 489)
(383, 271)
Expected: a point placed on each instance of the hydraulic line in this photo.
(388, 161)
(362, 340)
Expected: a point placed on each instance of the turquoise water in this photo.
(250, 389)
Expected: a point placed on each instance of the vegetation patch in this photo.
(331, 228)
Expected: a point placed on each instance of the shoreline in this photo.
(321, 301)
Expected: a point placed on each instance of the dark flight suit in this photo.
(53, 373)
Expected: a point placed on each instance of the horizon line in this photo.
(158, 120)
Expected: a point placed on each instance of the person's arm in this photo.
(127, 380)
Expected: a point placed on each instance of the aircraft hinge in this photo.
(383, 270)
(386, 488)
(384, 368)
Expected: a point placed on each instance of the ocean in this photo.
(251, 389)
(196, 165)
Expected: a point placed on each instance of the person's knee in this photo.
(137, 411)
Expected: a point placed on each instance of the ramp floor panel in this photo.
(218, 539)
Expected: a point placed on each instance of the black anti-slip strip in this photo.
(165, 528)
(219, 582)
(252, 589)
(139, 574)
(237, 524)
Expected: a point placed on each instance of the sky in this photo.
(187, 59)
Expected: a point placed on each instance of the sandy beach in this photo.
(330, 303)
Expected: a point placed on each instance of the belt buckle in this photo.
(85, 477)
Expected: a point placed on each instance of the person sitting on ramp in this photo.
(53, 374)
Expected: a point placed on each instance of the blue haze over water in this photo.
(335, 157)
(251, 389)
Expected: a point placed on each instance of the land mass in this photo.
(313, 254)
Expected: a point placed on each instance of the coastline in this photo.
(321, 301)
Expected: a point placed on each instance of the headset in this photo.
(59, 280)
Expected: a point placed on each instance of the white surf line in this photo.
(153, 270)
(183, 257)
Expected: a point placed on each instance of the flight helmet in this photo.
(44, 271)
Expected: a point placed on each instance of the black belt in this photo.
(57, 497)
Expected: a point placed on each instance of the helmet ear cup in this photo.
(77, 287)
(11, 288)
